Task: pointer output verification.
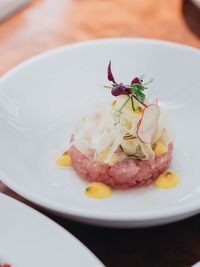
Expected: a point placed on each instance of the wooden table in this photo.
(50, 23)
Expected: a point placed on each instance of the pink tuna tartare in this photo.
(126, 144)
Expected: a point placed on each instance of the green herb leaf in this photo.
(135, 90)
(108, 87)
(132, 104)
(140, 96)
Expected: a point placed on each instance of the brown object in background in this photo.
(158, 19)
(49, 23)
(192, 16)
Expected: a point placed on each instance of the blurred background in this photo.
(28, 27)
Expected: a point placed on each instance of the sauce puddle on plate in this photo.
(98, 190)
(64, 160)
(167, 180)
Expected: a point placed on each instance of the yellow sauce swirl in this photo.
(98, 190)
(167, 180)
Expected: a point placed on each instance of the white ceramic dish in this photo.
(196, 264)
(42, 98)
(28, 238)
(196, 2)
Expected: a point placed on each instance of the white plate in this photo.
(41, 99)
(196, 2)
(196, 264)
(28, 238)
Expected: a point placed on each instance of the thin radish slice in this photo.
(147, 125)
(156, 101)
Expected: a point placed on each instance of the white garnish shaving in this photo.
(100, 132)
(149, 123)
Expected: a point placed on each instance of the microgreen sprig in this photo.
(135, 90)
(118, 112)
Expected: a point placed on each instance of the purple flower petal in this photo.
(120, 89)
(136, 80)
(110, 75)
(127, 91)
(117, 90)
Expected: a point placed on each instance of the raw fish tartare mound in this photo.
(125, 144)
(124, 174)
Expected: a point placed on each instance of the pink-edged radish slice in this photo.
(155, 102)
(147, 125)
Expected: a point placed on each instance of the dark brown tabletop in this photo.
(46, 24)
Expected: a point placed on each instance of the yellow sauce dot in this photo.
(138, 110)
(98, 190)
(159, 149)
(64, 160)
(167, 180)
(114, 102)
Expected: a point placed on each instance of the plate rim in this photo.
(170, 212)
(49, 221)
(99, 41)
